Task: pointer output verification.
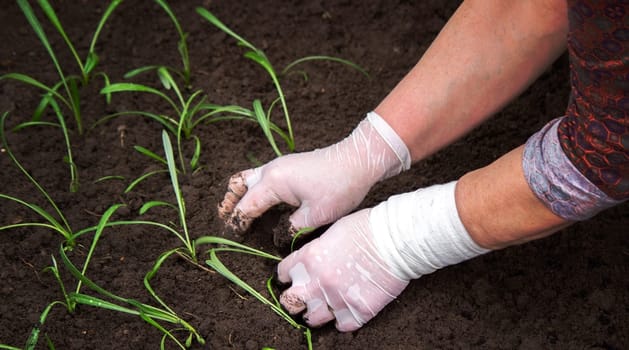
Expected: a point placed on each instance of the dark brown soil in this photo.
(569, 291)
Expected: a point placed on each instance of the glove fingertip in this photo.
(292, 302)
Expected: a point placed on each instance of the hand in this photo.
(366, 259)
(339, 275)
(324, 184)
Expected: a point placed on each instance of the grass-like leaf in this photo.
(59, 224)
(215, 263)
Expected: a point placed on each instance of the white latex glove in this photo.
(366, 259)
(340, 275)
(324, 184)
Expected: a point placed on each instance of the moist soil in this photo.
(568, 291)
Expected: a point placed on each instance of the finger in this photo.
(318, 313)
(302, 218)
(346, 320)
(236, 188)
(293, 299)
(258, 199)
(291, 269)
(245, 200)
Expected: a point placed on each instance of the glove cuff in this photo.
(420, 232)
(391, 138)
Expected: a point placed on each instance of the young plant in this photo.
(33, 338)
(225, 245)
(69, 83)
(56, 220)
(259, 57)
(182, 46)
(181, 124)
(150, 314)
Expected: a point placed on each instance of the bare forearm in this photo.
(488, 52)
(498, 208)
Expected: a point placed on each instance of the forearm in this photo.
(498, 208)
(487, 53)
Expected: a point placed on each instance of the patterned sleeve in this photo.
(579, 165)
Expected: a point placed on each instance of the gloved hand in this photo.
(339, 276)
(325, 184)
(366, 259)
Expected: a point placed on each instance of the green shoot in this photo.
(91, 61)
(351, 64)
(180, 206)
(31, 342)
(182, 46)
(71, 93)
(225, 245)
(150, 314)
(58, 223)
(258, 56)
(190, 247)
(99, 230)
(68, 82)
(298, 234)
(108, 178)
(143, 177)
(186, 111)
(215, 113)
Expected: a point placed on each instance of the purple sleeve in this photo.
(555, 180)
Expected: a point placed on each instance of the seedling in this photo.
(186, 111)
(225, 245)
(182, 47)
(56, 220)
(258, 56)
(151, 314)
(68, 82)
(33, 338)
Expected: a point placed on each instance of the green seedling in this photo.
(182, 47)
(55, 220)
(33, 338)
(298, 234)
(187, 112)
(225, 245)
(259, 57)
(70, 83)
(151, 314)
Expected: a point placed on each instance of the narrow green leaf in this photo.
(99, 231)
(194, 162)
(29, 124)
(31, 342)
(137, 71)
(216, 22)
(151, 204)
(150, 154)
(142, 178)
(91, 62)
(325, 58)
(107, 178)
(52, 16)
(23, 78)
(112, 6)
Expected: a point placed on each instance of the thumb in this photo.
(312, 215)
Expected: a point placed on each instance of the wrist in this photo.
(375, 149)
(420, 232)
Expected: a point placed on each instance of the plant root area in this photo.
(568, 291)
